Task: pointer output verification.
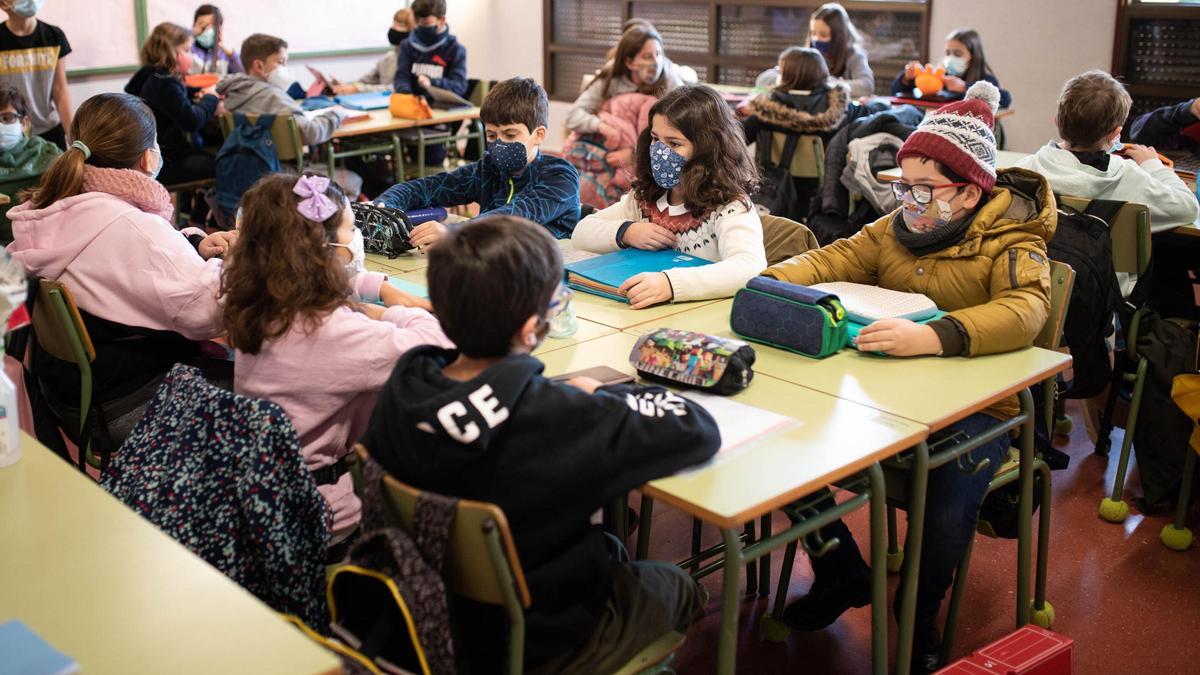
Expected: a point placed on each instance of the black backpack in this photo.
(778, 194)
(1082, 240)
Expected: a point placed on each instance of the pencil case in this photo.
(385, 230)
(790, 316)
(697, 360)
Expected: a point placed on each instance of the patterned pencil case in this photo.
(790, 316)
(706, 362)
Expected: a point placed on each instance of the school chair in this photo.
(482, 565)
(198, 186)
(784, 239)
(60, 331)
(1130, 233)
(286, 135)
(808, 161)
(1185, 391)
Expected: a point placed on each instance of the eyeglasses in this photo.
(558, 303)
(10, 118)
(922, 194)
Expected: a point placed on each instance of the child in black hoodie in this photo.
(482, 423)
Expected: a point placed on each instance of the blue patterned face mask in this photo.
(666, 165)
(508, 157)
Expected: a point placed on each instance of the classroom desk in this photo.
(382, 122)
(387, 131)
(831, 440)
(108, 589)
(1005, 159)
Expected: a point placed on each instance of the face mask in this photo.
(821, 45)
(280, 77)
(508, 157)
(395, 37)
(649, 71)
(184, 59)
(919, 218)
(27, 8)
(358, 253)
(666, 165)
(207, 38)
(10, 135)
(427, 35)
(955, 65)
(1116, 146)
(158, 165)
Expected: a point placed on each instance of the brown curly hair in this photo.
(720, 169)
(281, 269)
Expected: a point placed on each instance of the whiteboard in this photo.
(102, 33)
(309, 25)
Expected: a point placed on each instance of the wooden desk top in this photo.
(933, 391)
(382, 122)
(833, 438)
(108, 589)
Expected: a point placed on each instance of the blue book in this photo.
(409, 287)
(23, 652)
(371, 100)
(604, 274)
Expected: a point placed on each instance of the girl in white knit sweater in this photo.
(694, 178)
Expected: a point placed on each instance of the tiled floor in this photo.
(1130, 604)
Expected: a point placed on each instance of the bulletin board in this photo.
(100, 39)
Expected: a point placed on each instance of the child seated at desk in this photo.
(974, 241)
(262, 89)
(694, 178)
(24, 156)
(1164, 127)
(514, 177)
(431, 57)
(1091, 109)
(965, 65)
(483, 423)
(301, 340)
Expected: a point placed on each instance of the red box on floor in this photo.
(1028, 651)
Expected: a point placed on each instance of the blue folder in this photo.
(23, 652)
(371, 100)
(604, 274)
(409, 287)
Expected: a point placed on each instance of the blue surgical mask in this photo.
(666, 165)
(426, 35)
(27, 8)
(821, 45)
(158, 166)
(1116, 146)
(508, 157)
(207, 38)
(955, 65)
(10, 136)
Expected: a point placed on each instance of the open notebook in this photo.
(739, 423)
(866, 304)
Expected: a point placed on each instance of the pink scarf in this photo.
(132, 186)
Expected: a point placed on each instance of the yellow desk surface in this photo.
(1004, 159)
(833, 438)
(105, 587)
(929, 390)
(382, 122)
(410, 261)
(620, 316)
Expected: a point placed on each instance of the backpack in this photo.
(1082, 241)
(247, 155)
(778, 194)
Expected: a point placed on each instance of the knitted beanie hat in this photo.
(959, 136)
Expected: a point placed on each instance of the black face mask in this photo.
(397, 36)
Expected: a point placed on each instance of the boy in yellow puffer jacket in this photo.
(975, 243)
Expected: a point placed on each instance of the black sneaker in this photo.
(825, 602)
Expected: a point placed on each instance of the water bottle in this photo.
(12, 295)
(564, 325)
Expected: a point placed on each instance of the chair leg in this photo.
(764, 563)
(1104, 433)
(751, 565)
(895, 555)
(1114, 509)
(1043, 612)
(771, 625)
(697, 530)
(960, 586)
(1176, 536)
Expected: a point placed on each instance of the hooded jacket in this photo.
(994, 283)
(248, 94)
(549, 455)
(444, 62)
(174, 112)
(820, 111)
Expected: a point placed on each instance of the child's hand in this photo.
(217, 244)
(648, 236)
(392, 297)
(646, 289)
(587, 384)
(424, 82)
(343, 89)
(372, 311)
(910, 71)
(899, 337)
(1139, 153)
(427, 234)
(954, 84)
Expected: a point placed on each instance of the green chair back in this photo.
(1130, 233)
(60, 331)
(809, 158)
(1062, 281)
(288, 145)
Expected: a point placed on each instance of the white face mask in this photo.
(358, 253)
(281, 77)
(10, 135)
(159, 164)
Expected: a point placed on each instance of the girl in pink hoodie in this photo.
(101, 224)
(301, 340)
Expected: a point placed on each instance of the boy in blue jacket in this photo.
(513, 178)
(431, 56)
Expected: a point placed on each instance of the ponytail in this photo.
(111, 131)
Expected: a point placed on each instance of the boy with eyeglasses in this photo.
(974, 241)
(24, 156)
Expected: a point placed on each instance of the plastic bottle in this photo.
(564, 324)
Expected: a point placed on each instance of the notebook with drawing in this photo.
(604, 274)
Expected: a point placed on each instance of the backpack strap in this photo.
(265, 121)
(1104, 209)
(785, 157)
(240, 120)
(432, 522)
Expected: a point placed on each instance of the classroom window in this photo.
(1155, 52)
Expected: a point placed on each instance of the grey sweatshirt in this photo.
(248, 94)
(857, 76)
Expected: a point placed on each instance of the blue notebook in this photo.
(604, 274)
(853, 328)
(23, 652)
(410, 288)
(371, 100)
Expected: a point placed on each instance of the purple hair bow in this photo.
(314, 205)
